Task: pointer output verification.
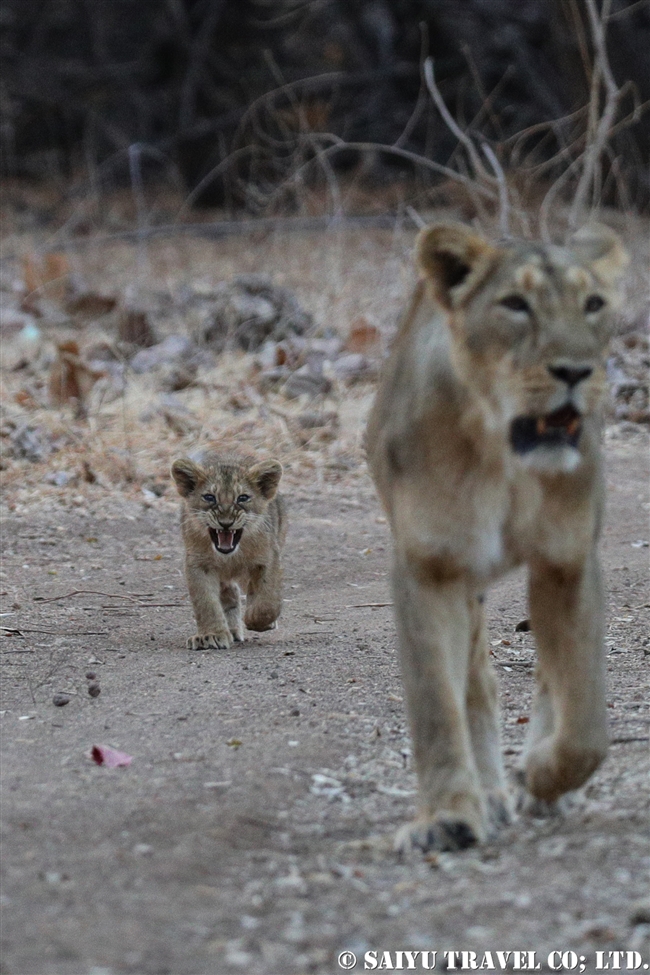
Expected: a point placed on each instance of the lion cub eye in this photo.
(515, 303)
(209, 498)
(243, 498)
(593, 304)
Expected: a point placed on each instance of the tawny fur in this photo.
(494, 334)
(213, 578)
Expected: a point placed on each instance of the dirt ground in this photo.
(252, 831)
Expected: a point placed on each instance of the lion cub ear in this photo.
(266, 475)
(602, 248)
(454, 259)
(187, 475)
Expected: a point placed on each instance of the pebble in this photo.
(94, 689)
(60, 700)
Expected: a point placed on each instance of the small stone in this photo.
(523, 626)
(60, 700)
(91, 675)
(94, 689)
(294, 712)
(640, 911)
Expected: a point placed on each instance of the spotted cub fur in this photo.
(234, 526)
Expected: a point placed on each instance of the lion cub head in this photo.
(529, 327)
(227, 496)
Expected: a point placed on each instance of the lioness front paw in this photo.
(210, 641)
(445, 832)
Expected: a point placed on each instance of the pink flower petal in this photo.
(109, 757)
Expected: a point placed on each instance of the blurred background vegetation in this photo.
(242, 101)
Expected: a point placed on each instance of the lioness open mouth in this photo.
(561, 428)
(225, 542)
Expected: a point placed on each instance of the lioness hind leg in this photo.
(483, 717)
(434, 631)
(566, 616)
(231, 604)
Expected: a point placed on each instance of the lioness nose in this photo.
(570, 376)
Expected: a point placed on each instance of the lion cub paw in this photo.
(261, 621)
(445, 832)
(233, 619)
(210, 641)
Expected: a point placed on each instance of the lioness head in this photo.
(228, 496)
(529, 325)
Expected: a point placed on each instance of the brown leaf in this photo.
(363, 337)
(90, 304)
(46, 275)
(70, 379)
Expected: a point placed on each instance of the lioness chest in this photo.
(491, 518)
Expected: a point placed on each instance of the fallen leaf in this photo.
(46, 274)
(90, 304)
(363, 336)
(110, 757)
(233, 742)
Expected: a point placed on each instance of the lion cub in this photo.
(234, 526)
(484, 444)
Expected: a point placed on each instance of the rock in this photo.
(167, 352)
(94, 689)
(59, 478)
(306, 382)
(60, 700)
(249, 311)
(31, 443)
(354, 367)
(640, 911)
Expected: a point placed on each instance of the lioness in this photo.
(483, 442)
(234, 526)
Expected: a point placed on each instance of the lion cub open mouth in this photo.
(561, 428)
(225, 542)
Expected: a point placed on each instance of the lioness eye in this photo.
(243, 498)
(594, 303)
(515, 303)
(209, 498)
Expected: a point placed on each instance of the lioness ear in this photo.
(454, 259)
(603, 249)
(187, 475)
(267, 476)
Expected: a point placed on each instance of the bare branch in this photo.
(601, 69)
(504, 201)
(451, 123)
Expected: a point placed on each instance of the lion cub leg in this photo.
(569, 736)
(205, 593)
(230, 598)
(264, 595)
(483, 718)
(434, 631)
